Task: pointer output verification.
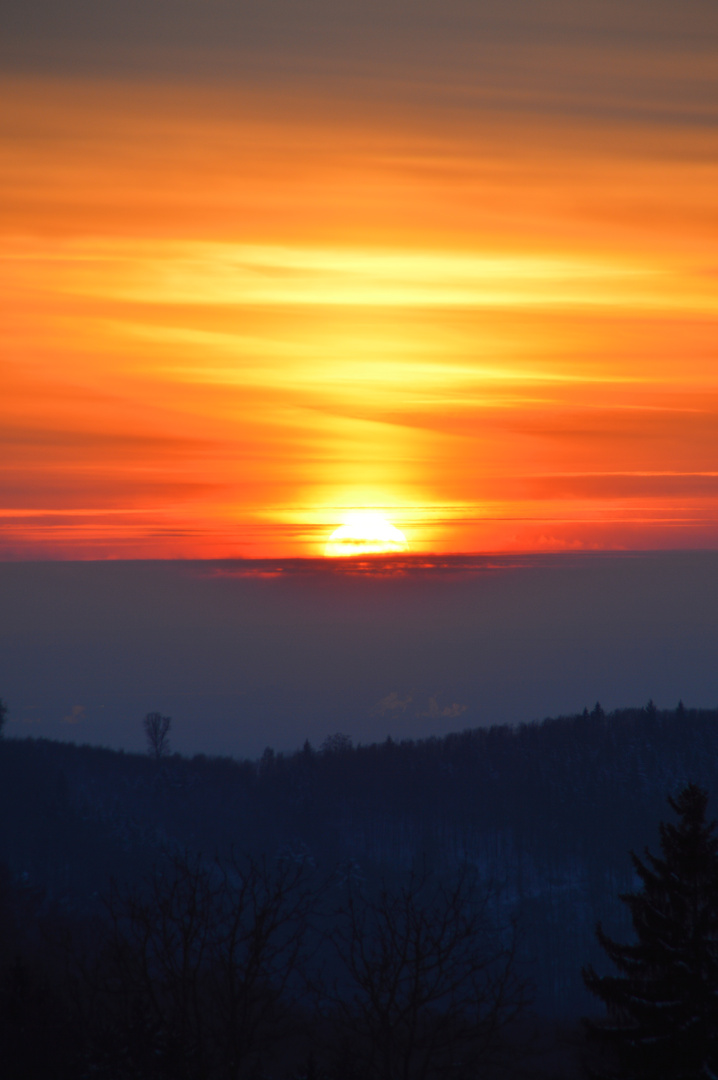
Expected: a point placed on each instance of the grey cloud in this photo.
(636, 58)
(436, 712)
(75, 715)
(392, 703)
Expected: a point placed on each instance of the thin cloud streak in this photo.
(465, 257)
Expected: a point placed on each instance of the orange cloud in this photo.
(230, 321)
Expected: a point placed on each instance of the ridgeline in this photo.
(546, 812)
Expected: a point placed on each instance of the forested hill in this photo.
(547, 810)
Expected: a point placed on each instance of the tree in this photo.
(3, 715)
(429, 980)
(663, 1003)
(157, 730)
(201, 969)
(336, 744)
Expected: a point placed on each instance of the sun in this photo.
(365, 533)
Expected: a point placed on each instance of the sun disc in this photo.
(365, 533)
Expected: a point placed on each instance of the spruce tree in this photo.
(662, 1021)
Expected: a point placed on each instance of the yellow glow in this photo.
(200, 274)
(229, 321)
(365, 533)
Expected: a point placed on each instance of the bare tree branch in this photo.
(157, 729)
(204, 965)
(429, 980)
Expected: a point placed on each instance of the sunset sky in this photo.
(265, 265)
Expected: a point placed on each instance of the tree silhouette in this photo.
(157, 729)
(200, 972)
(663, 1005)
(431, 980)
(3, 715)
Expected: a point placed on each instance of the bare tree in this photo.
(201, 972)
(430, 981)
(336, 744)
(157, 730)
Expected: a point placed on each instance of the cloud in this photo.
(391, 703)
(435, 712)
(549, 53)
(75, 715)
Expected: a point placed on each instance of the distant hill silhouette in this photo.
(547, 810)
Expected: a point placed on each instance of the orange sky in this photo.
(230, 315)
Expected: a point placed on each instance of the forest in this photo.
(201, 917)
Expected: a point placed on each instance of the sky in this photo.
(267, 265)
(245, 655)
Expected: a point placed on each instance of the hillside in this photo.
(546, 811)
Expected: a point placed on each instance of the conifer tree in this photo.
(662, 1021)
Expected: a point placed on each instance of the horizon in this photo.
(339, 741)
(245, 655)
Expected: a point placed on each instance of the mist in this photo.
(245, 655)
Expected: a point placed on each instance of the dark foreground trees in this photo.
(663, 1004)
(428, 980)
(201, 972)
(234, 969)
